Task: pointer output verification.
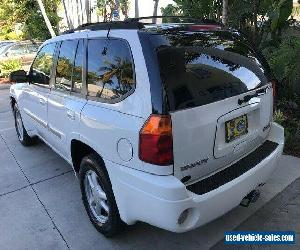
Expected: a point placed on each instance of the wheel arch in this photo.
(79, 150)
(12, 102)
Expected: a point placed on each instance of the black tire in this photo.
(94, 164)
(23, 136)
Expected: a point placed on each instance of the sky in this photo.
(146, 7)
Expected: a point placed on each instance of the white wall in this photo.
(146, 7)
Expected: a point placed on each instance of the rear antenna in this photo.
(107, 36)
(104, 51)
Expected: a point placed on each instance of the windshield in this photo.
(3, 49)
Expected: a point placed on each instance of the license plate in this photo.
(236, 127)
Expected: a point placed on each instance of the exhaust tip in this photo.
(250, 198)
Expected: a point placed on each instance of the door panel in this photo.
(38, 90)
(66, 101)
(36, 107)
(64, 119)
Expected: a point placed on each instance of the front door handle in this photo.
(71, 114)
(42, 101)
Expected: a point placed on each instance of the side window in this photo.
(65, 64)
(78, 65)
(42, 65)
(110, 69)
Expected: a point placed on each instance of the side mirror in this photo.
(18, 76)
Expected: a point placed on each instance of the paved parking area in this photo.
(40, 203)
(282, 213)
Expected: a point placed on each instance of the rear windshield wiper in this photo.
(247, 98)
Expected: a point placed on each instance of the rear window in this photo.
(204, 67)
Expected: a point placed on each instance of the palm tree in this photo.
(122, 70)
(225, 12)
(155, 10)
(69, 22)
(124, 5)
(48, 24)
(136, 4)
(81, 10)
(88, 11)
(77, 12)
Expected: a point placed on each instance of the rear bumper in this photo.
(159, 200)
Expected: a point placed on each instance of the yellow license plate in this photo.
(236, 127)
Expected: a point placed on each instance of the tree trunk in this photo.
(88, 12)
(225, 12)
(72, 15)
(155, 10)
(136, 8)
(69, 23)
(78, 13)
(48, 24)
(255, 14)
(81, 11)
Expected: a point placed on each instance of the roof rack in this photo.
(107, 26)
(136, 23)
(180, 18)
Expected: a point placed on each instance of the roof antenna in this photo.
(107, 36)
(104, 51)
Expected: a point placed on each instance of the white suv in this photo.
(168, 124)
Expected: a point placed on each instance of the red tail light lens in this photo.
(205, 27)
(156, 141)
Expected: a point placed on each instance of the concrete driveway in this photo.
(41, 208)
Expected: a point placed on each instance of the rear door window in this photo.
(110, 69)
(64, 68)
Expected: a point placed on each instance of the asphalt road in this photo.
(41, 208)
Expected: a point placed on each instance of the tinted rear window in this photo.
(204, 67)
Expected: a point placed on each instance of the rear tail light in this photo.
(205, 27)
(156, 140)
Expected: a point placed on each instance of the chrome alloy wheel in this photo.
(96, 197)
(19, 126)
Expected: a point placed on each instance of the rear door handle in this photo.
(42, 101)
(71, 114)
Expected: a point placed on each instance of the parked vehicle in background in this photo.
(23, 51)
(6, 42)
(168, 124)
(4, 45)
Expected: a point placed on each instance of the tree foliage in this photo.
(201, 9)
(285, 61)
(105, 8)
(27, 13)
(257, 19)
(9, 66)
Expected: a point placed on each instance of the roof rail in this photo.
(136, 23)
(107, 26)
(181, 18)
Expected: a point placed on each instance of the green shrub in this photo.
(9, 66)
(279, 117)
(285, 62)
